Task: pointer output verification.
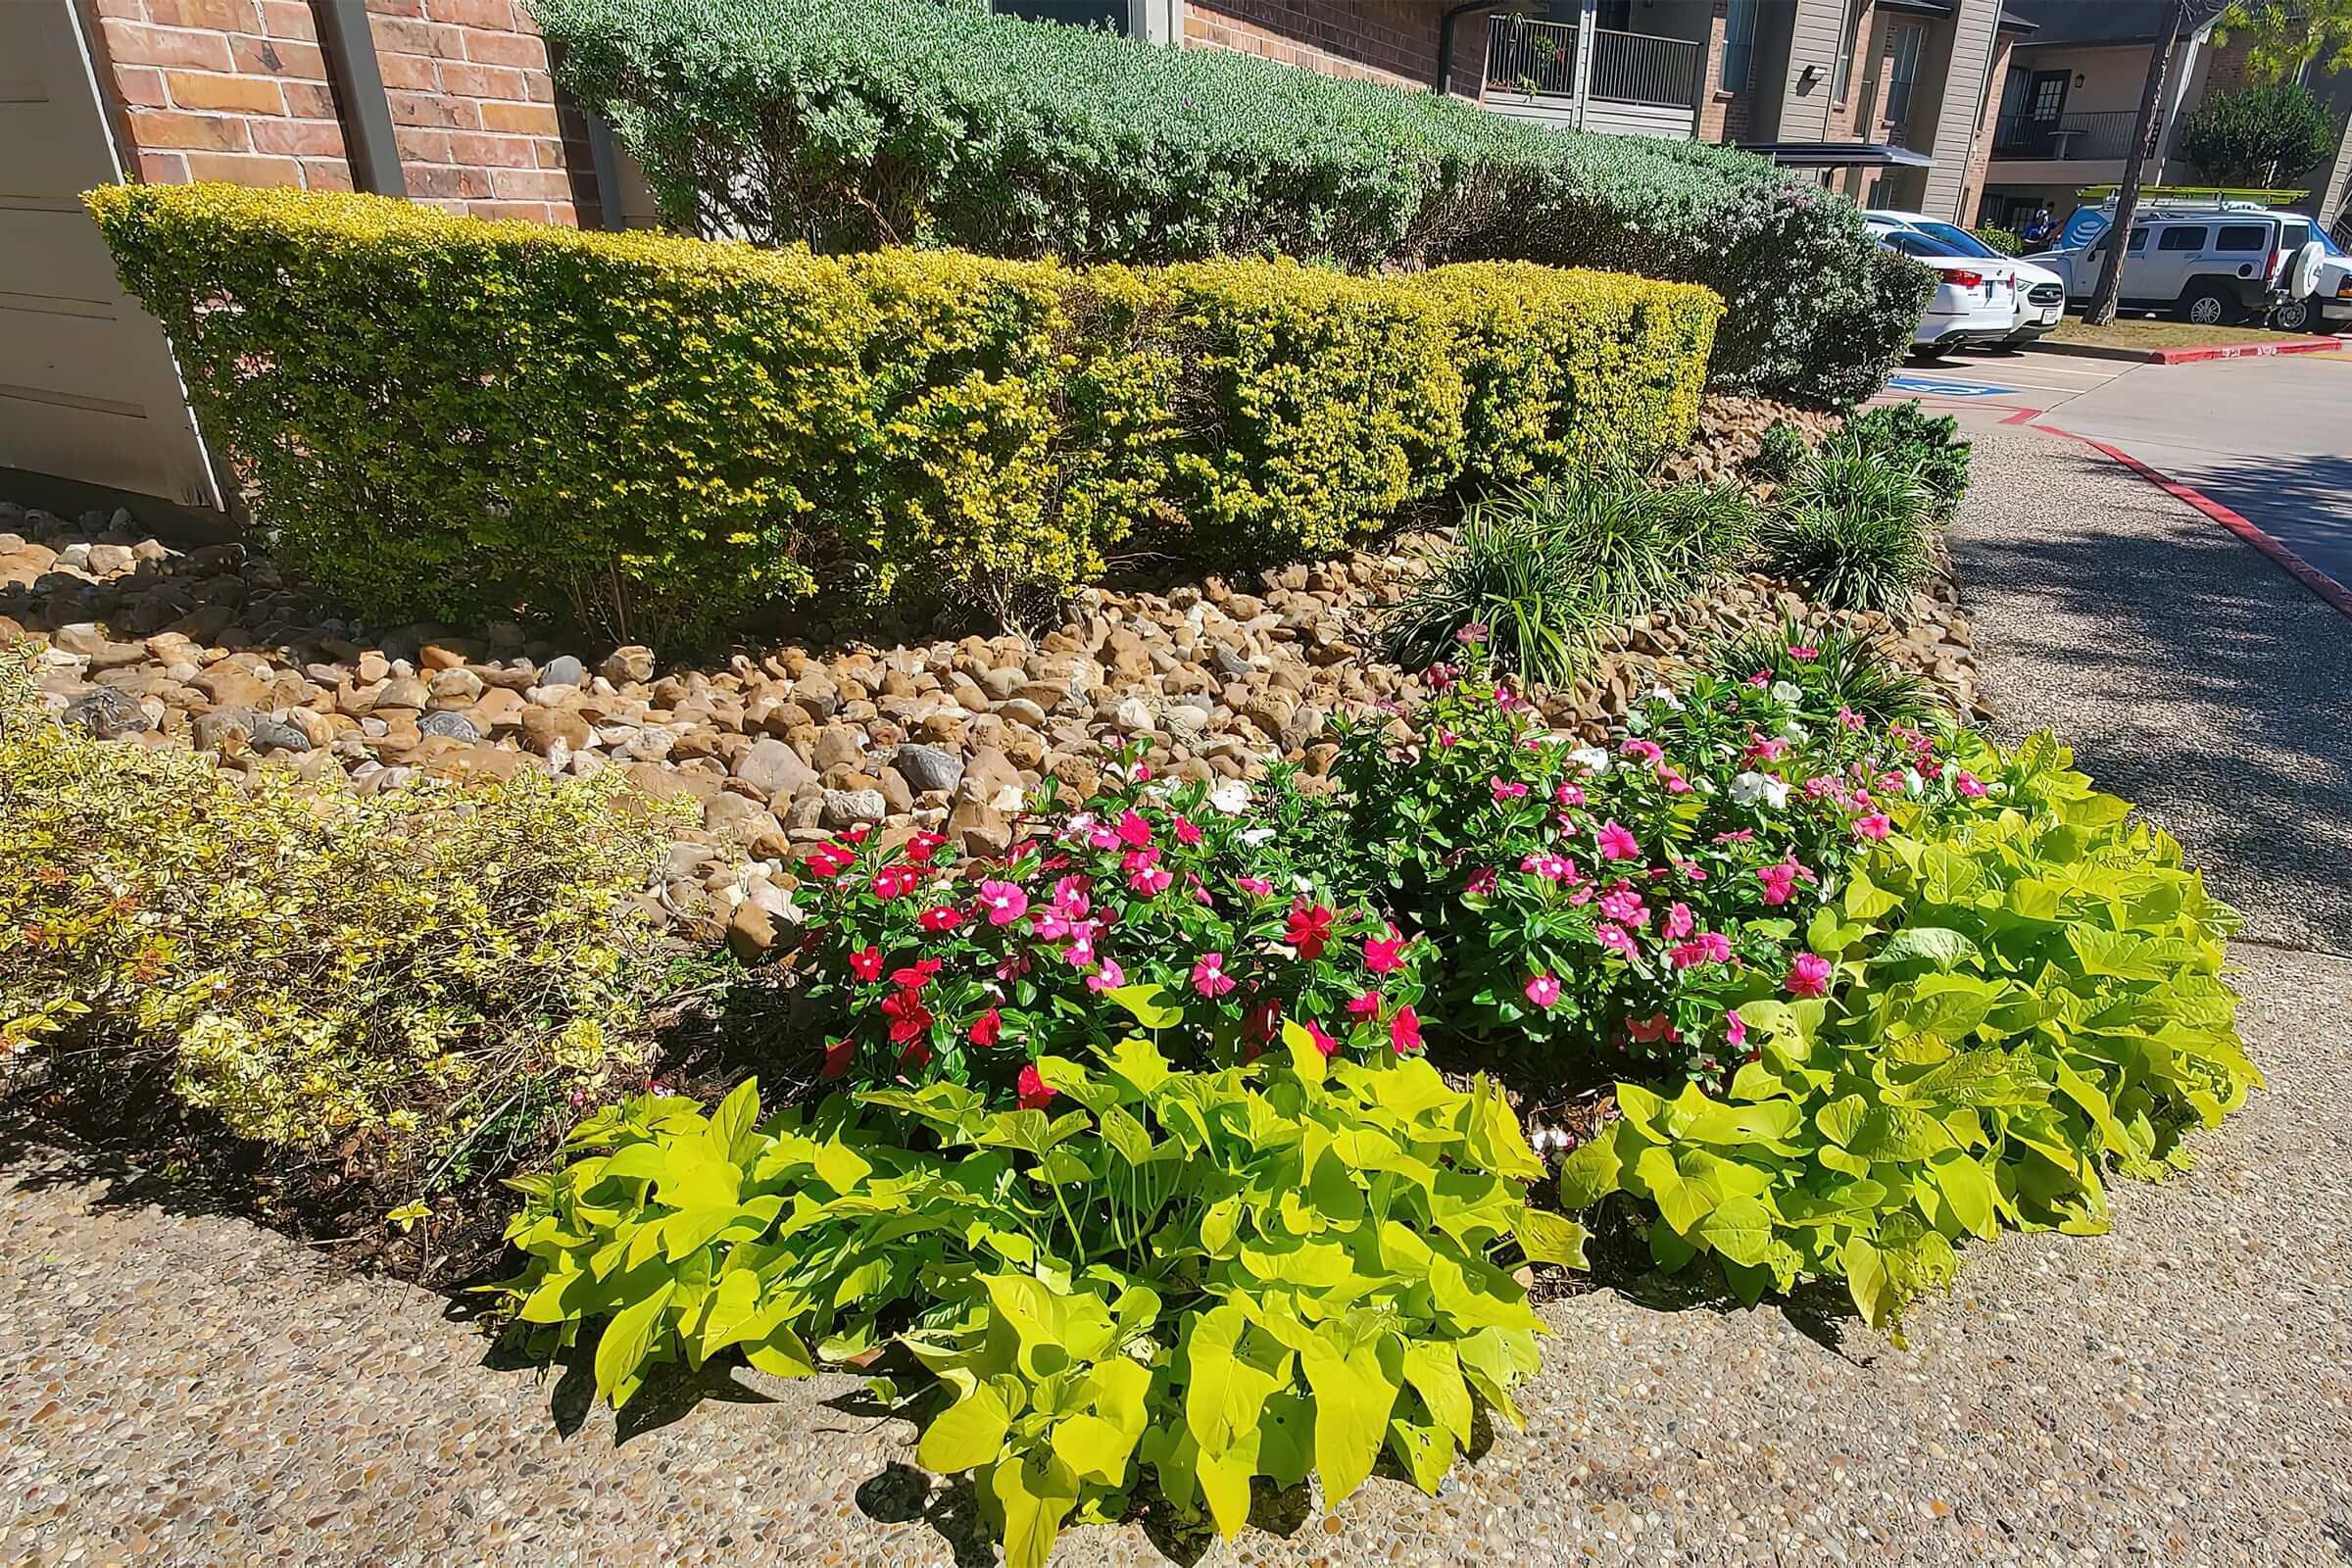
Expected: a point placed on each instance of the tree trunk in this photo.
(2127, 195)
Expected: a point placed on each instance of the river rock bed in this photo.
(214, 649)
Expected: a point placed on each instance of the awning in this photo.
(1838, 154)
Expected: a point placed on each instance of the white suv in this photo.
(2213, 264)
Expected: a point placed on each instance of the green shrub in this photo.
(1316, 404)
(1906, 435)
(1495, 582)
(2023, 991)
(1835, 668)
(371, 979)
(1779, 453)
(2000, 240)
(443, 417)
(1852, 527)
(854, 123)
(1208, 1276)
(1568, 369)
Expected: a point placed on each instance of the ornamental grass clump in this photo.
(1190, 1276)
(1854, 525)
(1220, 901)
(377, 982)
(1835, 668)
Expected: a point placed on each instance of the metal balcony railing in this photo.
(1639, 68)
(2070, 137)
(1539, 57)
(1527, 56)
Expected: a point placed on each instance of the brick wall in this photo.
(226, 89)
(473, 111)
(1395, 41)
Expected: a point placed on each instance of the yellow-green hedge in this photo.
(440, 416)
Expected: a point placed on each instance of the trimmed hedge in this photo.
(445, 417)
(855, 124)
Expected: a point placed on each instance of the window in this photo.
(2182, 237)
(1738, 44)
(1844, 67)
(1914, 244)
(2139, 241)
(1110, 15)
(2243, 237)
(1957, 241)
(1903, 42)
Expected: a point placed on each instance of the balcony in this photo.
(1638, 84)
(2101, 137)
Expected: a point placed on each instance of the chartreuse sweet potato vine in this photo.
(2026, 993)
(1213, 1275)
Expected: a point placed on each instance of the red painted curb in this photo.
(2329, 592)
(2243, 351)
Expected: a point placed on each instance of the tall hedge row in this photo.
(856, 123)
(440, 416)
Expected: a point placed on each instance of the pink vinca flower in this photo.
(1678, 922)
(1107, 976)
(1366, 1006)
(1035, 1092)
(1616, 842)
(1504, 790)
(1543, 990)
(1616, 938)
(1968, 784)
(1323, 1042)
(1804, 652)
(1480, 884)
(1134, 831)
(1005, 901)
(894, 881)
(1405, 1031)
(1258, 887)
(1209, 977)
(1708, 946)
(1624, 905)
(1735, 1030)
(1149, 880)
(1384, 955)
(1808, 975)
(1641, 750)
(1874, 826)
(1550, 868)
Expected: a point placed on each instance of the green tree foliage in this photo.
(2286, 35)
(2261, 135)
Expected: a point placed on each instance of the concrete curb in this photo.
(2188, 356)
(2327, 589)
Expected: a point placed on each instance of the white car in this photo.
(1975, 303)
(2041, 292)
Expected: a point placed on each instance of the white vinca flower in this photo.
(1913, 785)
(1793, 732)
(1660, 694)
(1635, 725)
(1254, 837)
(1751, 788)
(1784, 692)
(1230, 797)
(1592, 758)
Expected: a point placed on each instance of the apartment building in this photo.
(1889, 100)
(2070, 102)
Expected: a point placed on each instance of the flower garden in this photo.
(1151, 1091)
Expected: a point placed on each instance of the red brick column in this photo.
(226, 89)
(474, 108)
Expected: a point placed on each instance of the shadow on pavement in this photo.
(2190, 673)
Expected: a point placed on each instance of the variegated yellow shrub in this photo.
(387, 974)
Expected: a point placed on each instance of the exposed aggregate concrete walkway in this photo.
(183, 1387)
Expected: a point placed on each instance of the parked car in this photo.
(1974, 305)
(2041, 292)
(2327, 305)
(2217, 264)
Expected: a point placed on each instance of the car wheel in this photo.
(2211, 305)
(2292, 317)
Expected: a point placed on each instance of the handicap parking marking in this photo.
(1938, 387)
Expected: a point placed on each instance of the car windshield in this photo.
(1913, 243)
(1958, 241)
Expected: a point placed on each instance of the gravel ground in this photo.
(182, 1388)
(2189, 672)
